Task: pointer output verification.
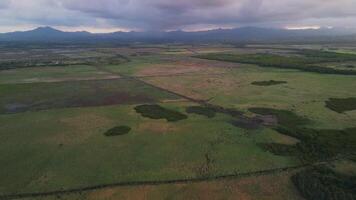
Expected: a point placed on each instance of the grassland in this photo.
(173, 119)
(67, 149)
(264, 187)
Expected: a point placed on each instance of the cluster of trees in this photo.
(322, 183)
(155, 111)
(314, 144)
(341, 105)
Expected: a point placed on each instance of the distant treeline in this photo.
(25, 63)
(306, 62)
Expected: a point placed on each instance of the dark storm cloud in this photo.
(175, 14)
(165, 14)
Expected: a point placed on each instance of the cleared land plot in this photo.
(53, 74)
(17, 98)
(163, 65)
(305, 93)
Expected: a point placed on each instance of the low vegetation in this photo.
(62, 115)
(268, 83)
(341, 105)
(200, 110)
(323, 183)
(159, 112)
(118, 130)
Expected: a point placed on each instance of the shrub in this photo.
(200, 110)
(158, 112)
(119, 130)
(268, 83)
(341, 105)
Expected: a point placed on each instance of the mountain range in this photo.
(244, 34)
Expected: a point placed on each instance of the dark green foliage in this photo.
(306, 63)
(158, 112)
(315, 144)
(285, 118)
(200, 110)
(322, 183)
(341, 105)
(119, 130)
(239, 120)
(268, 83)
(328, 56)
(280, 149)
(337, 141)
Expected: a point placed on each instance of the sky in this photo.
(190, 15)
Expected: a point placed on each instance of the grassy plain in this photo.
(66, 148)
(54, 119)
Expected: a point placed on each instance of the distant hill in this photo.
(244, 34)
(43, 34)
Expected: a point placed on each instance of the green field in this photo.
(175, 121)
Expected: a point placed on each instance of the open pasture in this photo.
(128, 118)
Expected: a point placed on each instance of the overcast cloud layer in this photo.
(109, 15)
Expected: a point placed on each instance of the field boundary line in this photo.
(167, 182)
(154, 183)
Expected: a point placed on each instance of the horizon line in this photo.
(166, 31)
